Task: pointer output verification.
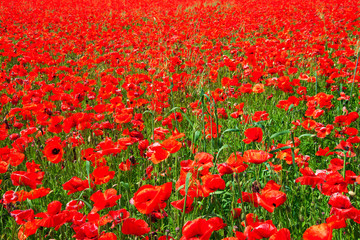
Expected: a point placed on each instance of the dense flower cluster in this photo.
(180, 119)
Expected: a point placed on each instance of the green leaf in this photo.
(307, 135)
(196, 136)
(187, 180)
(87, 164)
(228, 131)
(181, 187)
(279, 134)
(222, 148)
(291, 107)
(87, 204)
(147, 111)
(231, 130)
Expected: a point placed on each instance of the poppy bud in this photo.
(256, 187)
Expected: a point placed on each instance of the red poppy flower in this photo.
(53, 151)
(318, 232)
(253, 135)
(333, 182)
(236, 213)
(342, 207)
(102, 175)
(118, 216)
(28, 229)
(104, 200)
(108, 236)
(308, 124)
(257, 229)
(309, 177)
(212, 183)
(126, 166)
(22, 216)
(33, 194)
(75, 184)
(179, 204)
(132, 226)
(171, 145)
(269, 197)
(152, 198)
(235, 163)
(324, 152)
(54, 217)
(75, 205)
(256, 156)
(197, 229)
(157, 153)
(87, 230)
(282, 234)
(30, 179)
(216, 223)
(347, 119)
(260, 116)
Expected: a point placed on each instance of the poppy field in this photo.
(179, 119)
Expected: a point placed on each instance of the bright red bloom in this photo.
(157, 153)
(269, 197)
(54, 217)
(118, 216)
(127, 166)
(333, 182)
(201, 229)
(75, 184)
(253, 135)
(87, 230)
(30, 179)
(257, 229)
(22, 216)
(342, 207)
(282, 234)
(33, 194)
(309, 177)
(318, 232)
(132, 226)
(256, 156)
(346, 120)
(179, 204)
(211, 183)
(108, 236)
(152, 198)
(53, 151)
(104, 200)
(308, 124)
(102, 175)
(235, 163)
(28, 229)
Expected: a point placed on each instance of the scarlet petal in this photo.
(137, 227)
(318, 232)
(256, 156)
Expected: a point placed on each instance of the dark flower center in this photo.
(55, 151)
